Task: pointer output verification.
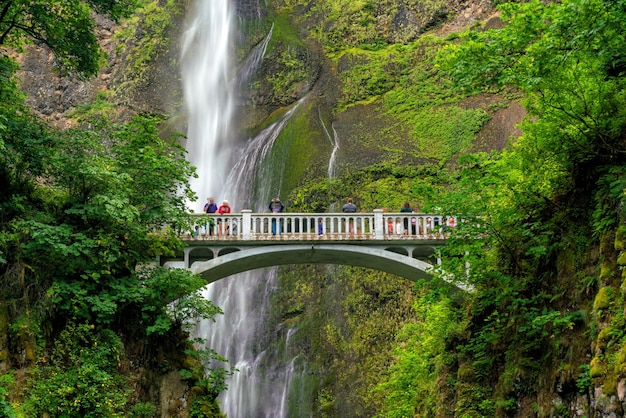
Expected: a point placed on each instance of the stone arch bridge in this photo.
(404, 244)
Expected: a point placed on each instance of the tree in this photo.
(115, 196)
(65, 26)
(568, 57)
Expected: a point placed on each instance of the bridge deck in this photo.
(324, 227)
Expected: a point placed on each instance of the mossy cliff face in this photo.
(366, 74)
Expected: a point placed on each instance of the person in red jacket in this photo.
(224, 209)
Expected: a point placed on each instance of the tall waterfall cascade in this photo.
(209, 94)
(227, 168)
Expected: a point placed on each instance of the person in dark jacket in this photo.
(350, 207)
(407, 208)
(276, 206)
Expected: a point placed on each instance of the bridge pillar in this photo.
(246, 223)
(379, 226)
(186, 257)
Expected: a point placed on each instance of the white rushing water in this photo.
(227, 169)
(209, 96)
(334, 141)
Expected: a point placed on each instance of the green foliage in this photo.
(24, 142)
(169, 297)
(81, 211)
(284, 82)
(143, 410)
(288, 54)
(522, 202)
(384, 185)
(368, 74)
(114, 198)
(81, 378)
(404, 76)
(584, 381)
(115, 9)
(609, 198)
(419, 355)
(204, 372)
(7, 382)
(416, 94)
(144, 37)
(577, 96)
(446, 132)
(101, 107)
(343, 23)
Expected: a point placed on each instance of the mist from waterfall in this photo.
(229, 168)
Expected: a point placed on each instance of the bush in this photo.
(81, 379)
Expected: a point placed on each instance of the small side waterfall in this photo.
(248, 165)
(251, 65)
(334, 141)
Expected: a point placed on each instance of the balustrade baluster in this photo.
(296, 226)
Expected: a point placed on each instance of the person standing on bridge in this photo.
(406, 209)
(210, 207)
(276, 206)
(224, 209)
(350, 207)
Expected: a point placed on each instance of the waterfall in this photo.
(334, 141)
(251, 65)
(248, 165)
(229, 170)
(209, 95)
(240, 334)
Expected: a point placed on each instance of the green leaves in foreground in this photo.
(81, 378)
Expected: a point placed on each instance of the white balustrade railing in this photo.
(378, 225)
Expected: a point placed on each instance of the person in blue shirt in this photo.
(210, 207)
(276, 206)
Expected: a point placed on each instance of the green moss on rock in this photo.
(620, 362)
(465, 373)
(604, 298)
(607, 272)
(620, 238)
(597, 368)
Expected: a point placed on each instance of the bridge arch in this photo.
(259, 257)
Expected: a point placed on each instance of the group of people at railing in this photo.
(221, 222)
